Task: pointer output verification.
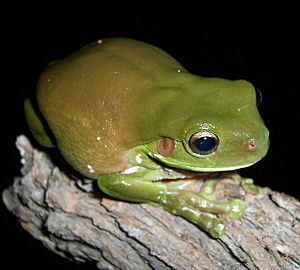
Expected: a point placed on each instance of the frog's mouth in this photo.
(182, 175)
(175, 165)
(193, 181)
(168, 173)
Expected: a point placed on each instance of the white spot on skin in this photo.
(178, 70)
(99, 41)
(235, 208)
(131, 170)
(115, 103)
(207, 126)
(243, 107)
(138, 158)
(124, 183)
(203, 203)
(236, 133)
(156, 155)
(101, 103)
(90, 168)
(98, 138)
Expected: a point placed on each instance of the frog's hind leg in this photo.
(36, 126)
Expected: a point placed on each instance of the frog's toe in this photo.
(217, 229)
(247, 183)
(237, 208)
(251, 188)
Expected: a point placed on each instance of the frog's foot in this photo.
(35, 123)
(202, 209)
(233, 207)
(246, 183)
(178, 198)
(209, 223)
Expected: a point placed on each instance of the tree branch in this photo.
(72, 220)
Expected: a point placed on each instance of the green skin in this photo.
(109, 105)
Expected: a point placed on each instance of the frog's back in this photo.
(87, 99)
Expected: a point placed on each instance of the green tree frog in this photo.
(129, 115)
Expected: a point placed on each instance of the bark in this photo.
(75, 221)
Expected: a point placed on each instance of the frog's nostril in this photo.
(252, 145)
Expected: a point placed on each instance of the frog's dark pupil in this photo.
(205, 144)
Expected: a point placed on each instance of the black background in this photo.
(259, 44)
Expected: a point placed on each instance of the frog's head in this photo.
(211, 125)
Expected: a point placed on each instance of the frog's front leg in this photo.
(171, 196)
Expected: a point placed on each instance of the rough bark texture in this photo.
(72, 220)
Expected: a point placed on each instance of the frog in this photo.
(128, 115)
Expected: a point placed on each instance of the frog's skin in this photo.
(124, 112)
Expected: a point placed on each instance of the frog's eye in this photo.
(258, 96)
(203, 143)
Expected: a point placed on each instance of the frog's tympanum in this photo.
(129, 115)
